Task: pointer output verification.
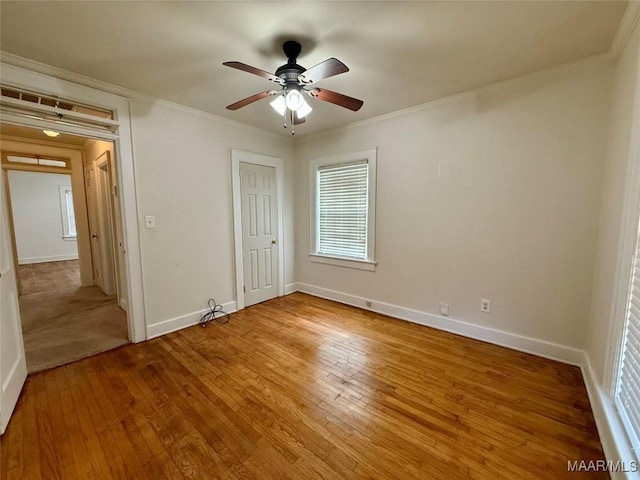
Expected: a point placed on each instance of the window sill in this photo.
(69, 239)
(343, 262)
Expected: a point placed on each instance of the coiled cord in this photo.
(210, 316)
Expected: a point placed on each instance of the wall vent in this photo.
(22, 107)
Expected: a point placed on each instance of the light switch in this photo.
(150, 221)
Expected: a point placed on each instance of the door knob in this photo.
(274, 241)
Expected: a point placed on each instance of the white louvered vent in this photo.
(342, 209)
(20, 107)
(53, 102)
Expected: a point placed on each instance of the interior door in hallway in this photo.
(259, 232)
(106, 225)
(13, 365)
(98, 185)
(90, 187)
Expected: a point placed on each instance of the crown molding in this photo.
(556, 71)
(55, 72)
(630, 18)
(627, 25)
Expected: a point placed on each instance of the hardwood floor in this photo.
(303, 388)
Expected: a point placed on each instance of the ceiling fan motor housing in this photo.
(290, 71)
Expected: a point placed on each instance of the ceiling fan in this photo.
(294, 83)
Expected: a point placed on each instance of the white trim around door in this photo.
(238, 156)
(44, 84)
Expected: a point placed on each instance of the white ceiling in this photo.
(400, 53)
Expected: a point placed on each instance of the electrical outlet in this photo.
(444, 309)
(485, 305)
(368, 303)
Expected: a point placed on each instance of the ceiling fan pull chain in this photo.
(293, 132)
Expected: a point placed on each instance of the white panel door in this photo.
(92, 211)
(259, 204)
(98, 186)
(13, 365)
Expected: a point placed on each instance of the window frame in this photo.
(368, 263)
(64, 207)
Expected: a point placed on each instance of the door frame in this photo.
(238, 156)
(123, 145)
(104, 159)
(88, 188)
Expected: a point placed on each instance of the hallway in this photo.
(63, 322)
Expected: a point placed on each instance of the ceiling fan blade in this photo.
(296, 120)
(326, 69)
(256, 71)
(337, 98)
(246, 101)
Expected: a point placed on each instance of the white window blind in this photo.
(628, 387)
(342, 209)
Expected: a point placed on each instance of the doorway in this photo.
(55, 111)
(258, 200)
(67, 313)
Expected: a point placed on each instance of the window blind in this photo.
(628, 387)
(342, 209)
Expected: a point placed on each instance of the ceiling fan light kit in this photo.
(295, 82)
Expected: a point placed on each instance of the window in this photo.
(45, 162)
(627, 392)
(343, 210)
(68, 215)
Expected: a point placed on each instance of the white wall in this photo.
(183, 178)
(37, 217)
(491, 195)
(601, 340)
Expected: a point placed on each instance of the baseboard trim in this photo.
(50, 258)
(184, 321)
(614, 440)
(615, 443)
(541, 348)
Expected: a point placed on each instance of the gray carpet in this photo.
(47, 276)
(62, 322)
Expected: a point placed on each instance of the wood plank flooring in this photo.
(303, 388)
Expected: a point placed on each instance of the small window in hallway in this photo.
(68, 215)
(44, 162)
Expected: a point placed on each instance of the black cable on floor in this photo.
(210, 316)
